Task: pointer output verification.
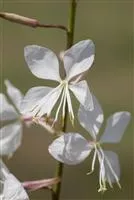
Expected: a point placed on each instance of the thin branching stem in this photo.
(15, 18)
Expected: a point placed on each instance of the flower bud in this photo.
(19, 19)
(38, 184)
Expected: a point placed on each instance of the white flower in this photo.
(11, 134)
(72, 148)
(44, 64)
(11, 188)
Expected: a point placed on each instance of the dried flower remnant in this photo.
(44, 64)
(72, 148)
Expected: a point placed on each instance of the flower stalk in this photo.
(70, 38)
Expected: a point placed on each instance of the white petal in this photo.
(7, 111)
(47, 103)
(82, 93)
(42, 62)
(32, 97)
(79, 58)
(70, 148)
(112, 157)
(91, 120)
(14, 94)
(10, 138)
(13, 189)
(3, 171)
(116, 125)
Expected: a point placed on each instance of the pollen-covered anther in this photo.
(102, 189)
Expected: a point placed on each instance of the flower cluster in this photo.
(37, 105)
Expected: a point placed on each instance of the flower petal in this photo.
(12, 188)
(70, 148)
(79, 58)
(82, 93)
(116, 125)
(10, 138)
(42, 62)
(15, 95)
(32, 97)
(3, 170)
(47, 103)
(112, 157)
(91, 120)
(7, 111)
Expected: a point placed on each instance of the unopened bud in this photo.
(19, 19)
(39, 184)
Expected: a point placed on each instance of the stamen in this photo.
(93, 162)
(102, 180)
(112, 171)
(109, 181)
(64, 105)
(59, 107)
(71, 113)
(45, 125)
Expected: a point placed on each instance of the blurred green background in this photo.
(109, 24)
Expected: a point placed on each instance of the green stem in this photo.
(71, 23)
(70, 37)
